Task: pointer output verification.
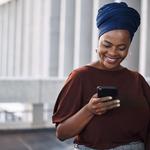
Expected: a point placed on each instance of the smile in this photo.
(111, 59)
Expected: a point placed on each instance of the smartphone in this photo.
(104, 91)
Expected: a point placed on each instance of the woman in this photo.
(106, 123)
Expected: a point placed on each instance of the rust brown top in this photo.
(116, 127)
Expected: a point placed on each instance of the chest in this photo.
(130, 92)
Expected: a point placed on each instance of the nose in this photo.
(113, 51)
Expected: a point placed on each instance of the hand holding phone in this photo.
(101, 102)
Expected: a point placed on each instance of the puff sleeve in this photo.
(69, 99)
(146, 91)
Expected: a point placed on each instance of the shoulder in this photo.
(75, 80)
(134, 74)
(137, 76)
(82, 70)
(79, 72)
(79, 75)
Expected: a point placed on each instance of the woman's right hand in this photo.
(99, 106)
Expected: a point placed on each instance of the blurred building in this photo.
(41, 41)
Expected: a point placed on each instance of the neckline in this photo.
(108, 71)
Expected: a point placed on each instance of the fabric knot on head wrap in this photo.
(117, 16)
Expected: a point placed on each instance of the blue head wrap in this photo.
(117, 16)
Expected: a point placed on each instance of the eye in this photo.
(107, 45)
(122, 48)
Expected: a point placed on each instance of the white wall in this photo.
(41, 39)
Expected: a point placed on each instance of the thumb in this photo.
(95, 95)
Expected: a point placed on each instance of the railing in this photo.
(21, 116)
(29, 90)
(10, 120)
(6, 116)
(34, 92)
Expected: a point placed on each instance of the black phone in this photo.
(104, 91)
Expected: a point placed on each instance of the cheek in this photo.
(100, 53)
(124, 54)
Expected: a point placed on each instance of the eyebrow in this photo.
(107, 41)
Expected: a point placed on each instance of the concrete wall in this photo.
(46, 38)
(42, 39)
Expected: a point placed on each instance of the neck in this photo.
(98, 65)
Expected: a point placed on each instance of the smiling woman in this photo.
(106, 122)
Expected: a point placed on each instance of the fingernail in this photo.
(118, 105)
(118, 101)
(110, 97)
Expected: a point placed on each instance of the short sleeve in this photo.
(146, 89)
(69, 99)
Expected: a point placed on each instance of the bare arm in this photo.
(74, 125)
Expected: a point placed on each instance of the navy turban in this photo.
(117, 16)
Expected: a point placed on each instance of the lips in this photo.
(111, 60)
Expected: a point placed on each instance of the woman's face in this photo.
(113, 48)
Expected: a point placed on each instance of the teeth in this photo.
(110, 59)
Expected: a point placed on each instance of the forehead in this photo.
(116, 36)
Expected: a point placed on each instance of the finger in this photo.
(109, 103)
(113, 106)
(95, 95)
(95, 100)
(107, 98)
(101, 100)
(105, 109)
(101, 112)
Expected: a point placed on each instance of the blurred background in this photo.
(41, 42)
